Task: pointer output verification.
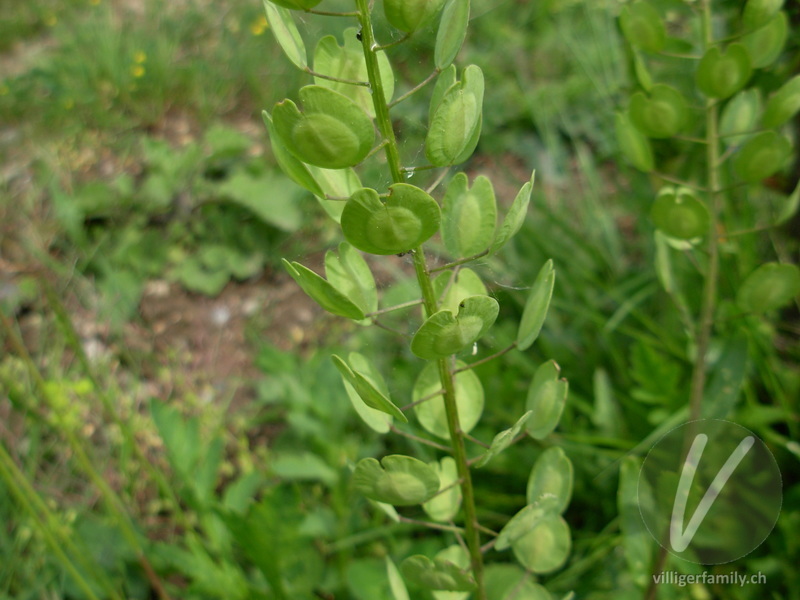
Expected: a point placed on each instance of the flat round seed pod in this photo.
(397, 480)
(331, 132)
(410, 15)
(444, 333)
(662, 114)
(761, 156)
(770, 286)
(407, 218)
(679, 214)
(720, 75)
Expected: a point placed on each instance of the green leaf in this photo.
(770, 286)
(546, 398)
(535, 311)
(759, 12)
(444, 333)
(663, 114)
(720, 75)
(286, 34)
(377, 420)
(398, 480)
(679, 214)
(791, 206)
(509, 582)
(347, 62)
(398, 587)
(368, 384)
(332, 132)
(302, 466)
(350, 274)
(410, 15)
(515, 217)
(765, 44)
(545, 548)
(783, 104)
(466, 283)
(459, 557)
(551, 477)
(431, 413)
(642, 27)
(407, 218)
(444, 506)
(503, 440)
(268, 196)
(322, 292)
(456, 124)
(451, 33)
(436, 574)
(633, 144)
(740, 115)
(469, 216)
(761, 156)
(636, 540)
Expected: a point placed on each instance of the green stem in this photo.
(429, 300)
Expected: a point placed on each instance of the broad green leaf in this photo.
(761, 156)
(720, 75)
(302, 466)
(469, 216)
(515, 217)
(396, 583)
(282, 24)
(459, 557)
(525, 521)
(331, 132)
(350, 274)
(407, 218)
(551, 477)
(679, 214)
(633, 144)
(546, 397)
(436, 574)
(368, 386)
(546, 547)
(535, 311)
(268, 196)
(766, 43)
(444, 333)
(444, 506)
(431, 413)
(322, 292)
(410, 15)
(783, 104)
(347, 62)
(509, 582)
(377, 420)
(451, 33)
(397, 480)
(770, 286)
(636, 540)
(663, 114)
(642, 26)
(740, 115)
(465, 283)
(456, 124)
(503, 440)
(296, 4)
(759, 12)
(289, 164)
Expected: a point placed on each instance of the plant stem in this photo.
(429, 300)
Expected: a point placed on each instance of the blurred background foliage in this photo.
(138, 187)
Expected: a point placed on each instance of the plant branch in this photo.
(487, 359)
(462, 261)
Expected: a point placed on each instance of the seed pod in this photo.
(410, 15)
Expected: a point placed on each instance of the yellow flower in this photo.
(258, 26)
(4, 90)
(137, 71)
(50, 20)
(139, 57)
(94, 2)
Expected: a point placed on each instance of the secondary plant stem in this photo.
(429, 300)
